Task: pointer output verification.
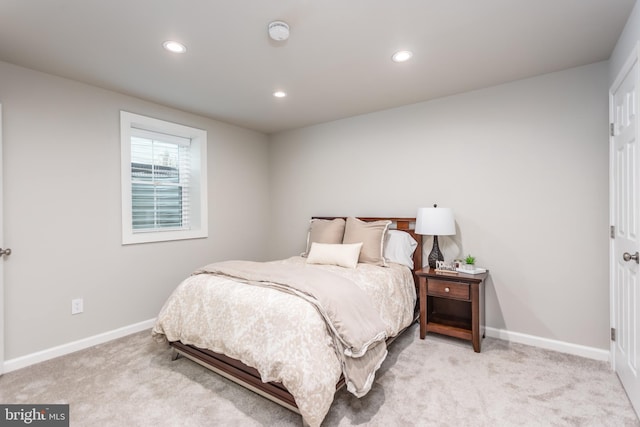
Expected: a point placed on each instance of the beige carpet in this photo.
(435, 382)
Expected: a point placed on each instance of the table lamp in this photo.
(436, 222)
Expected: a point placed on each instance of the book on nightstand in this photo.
(476, 270)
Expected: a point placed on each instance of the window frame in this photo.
(198, 213)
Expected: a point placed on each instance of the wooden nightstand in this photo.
(452, 305)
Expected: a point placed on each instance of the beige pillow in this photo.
(324, 231)
(371, 234)
(334, 254)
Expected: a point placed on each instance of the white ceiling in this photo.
(336, 63)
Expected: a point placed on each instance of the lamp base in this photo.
(435, 254)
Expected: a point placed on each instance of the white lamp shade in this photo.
(435, 222)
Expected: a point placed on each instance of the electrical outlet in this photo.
(77, 306)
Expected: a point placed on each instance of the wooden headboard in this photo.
(403, 224)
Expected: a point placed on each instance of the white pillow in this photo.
(399, 247)
(344, 255)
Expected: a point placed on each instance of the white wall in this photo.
(62, 211)
(626, 43)
(524, 166)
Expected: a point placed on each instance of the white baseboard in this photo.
(549, 344)
(61, 350)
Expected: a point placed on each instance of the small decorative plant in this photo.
(470, 260)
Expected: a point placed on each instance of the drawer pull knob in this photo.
(446, 289)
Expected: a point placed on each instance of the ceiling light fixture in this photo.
(175, 47)
(402, 56)
(278, 31)
(279, 94)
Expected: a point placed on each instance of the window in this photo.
(164, 180)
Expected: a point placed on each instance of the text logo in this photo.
(34, 415)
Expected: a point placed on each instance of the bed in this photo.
(246, 322)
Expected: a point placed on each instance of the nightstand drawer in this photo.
(444, 288)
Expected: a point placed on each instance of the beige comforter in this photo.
(284, 336)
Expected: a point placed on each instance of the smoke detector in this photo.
(279, 30)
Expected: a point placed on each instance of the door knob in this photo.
(6, 252)
(628, 257)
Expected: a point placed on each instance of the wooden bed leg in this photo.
(175, 355)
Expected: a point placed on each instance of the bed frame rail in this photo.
(237, 372)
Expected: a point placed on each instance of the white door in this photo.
(625, 217)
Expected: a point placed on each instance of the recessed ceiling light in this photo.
(402, 56)
(279, 94)
(175, 47)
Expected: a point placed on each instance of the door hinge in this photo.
(613, 334)
(613, 231)
(612, 129)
